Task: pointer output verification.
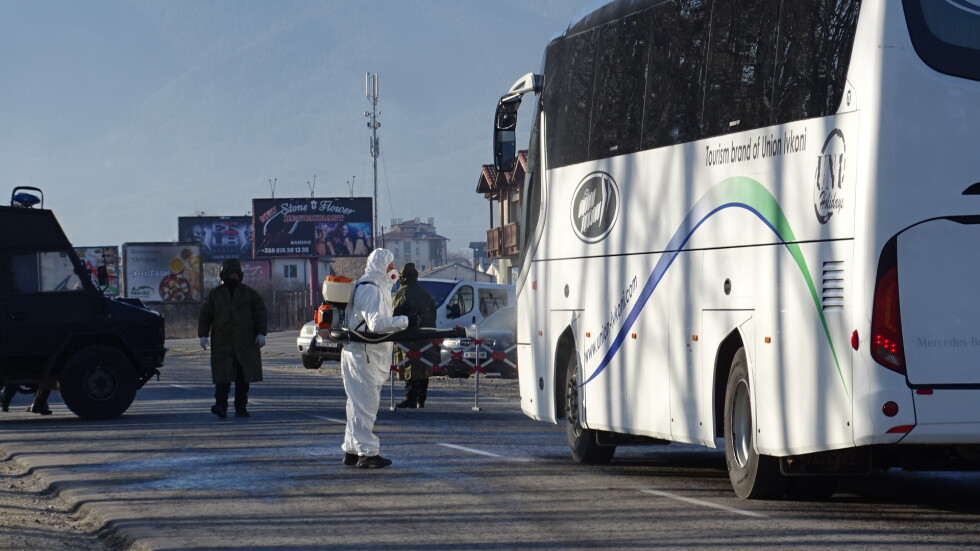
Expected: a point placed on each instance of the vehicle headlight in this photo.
(450, 343)
(309, 330)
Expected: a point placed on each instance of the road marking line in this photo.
(705, 503)
(481, 452)
(331, 419)
(180, 386)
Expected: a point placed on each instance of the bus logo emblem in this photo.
(595, 207)
(829, 178)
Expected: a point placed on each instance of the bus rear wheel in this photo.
(582, 441)
(753, 476)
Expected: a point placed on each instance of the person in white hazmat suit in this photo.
(365, 367)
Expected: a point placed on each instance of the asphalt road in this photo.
(169, 475)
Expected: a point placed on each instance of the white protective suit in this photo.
(365, 367)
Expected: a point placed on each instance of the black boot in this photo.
(241, 398)
(372, 462)
(40, 404)
(220, 407)
(6, 396)
(422, 393)
(411, 395)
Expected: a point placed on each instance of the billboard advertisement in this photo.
(336, 227)
(258, 275)
(220, 237)
(93, 257)
(162, 272)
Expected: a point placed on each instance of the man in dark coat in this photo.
(234, 317)
(415, 302)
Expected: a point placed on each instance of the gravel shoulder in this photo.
(35, 518)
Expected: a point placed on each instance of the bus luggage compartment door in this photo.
(939, 299)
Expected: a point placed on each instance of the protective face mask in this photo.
(393, 274)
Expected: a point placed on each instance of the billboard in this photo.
(220, 237)
(337, 227)
(258, 275)
(93, 257)
(162, 272)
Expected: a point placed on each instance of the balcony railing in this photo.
(493, 242)
(511, 240)
(504, 242)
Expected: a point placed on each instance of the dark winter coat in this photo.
(412, 300)
(232, 320)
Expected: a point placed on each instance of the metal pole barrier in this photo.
(477, 370)
(391, 389)
(476, 393)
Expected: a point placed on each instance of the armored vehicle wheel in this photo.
(98, 382)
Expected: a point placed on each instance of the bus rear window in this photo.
(946, 34)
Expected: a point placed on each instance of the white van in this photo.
(466, 302)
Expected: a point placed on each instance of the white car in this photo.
(497, 353)
(315, 349)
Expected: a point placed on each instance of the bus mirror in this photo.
(504, 133)
(505, 121)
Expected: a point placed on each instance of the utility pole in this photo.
(371, 91)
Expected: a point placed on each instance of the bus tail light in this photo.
(887, 347)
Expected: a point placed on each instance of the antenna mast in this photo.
(371, 91)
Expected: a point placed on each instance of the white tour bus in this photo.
(756, 224)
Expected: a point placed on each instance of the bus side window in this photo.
(675, 89)
(570, 106)
(815, 42)
(741, 62)
(618, 101)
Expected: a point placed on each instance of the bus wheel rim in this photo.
(741, 425)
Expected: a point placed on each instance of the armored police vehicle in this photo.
(56, 326)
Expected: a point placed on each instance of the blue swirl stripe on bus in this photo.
(738, 192)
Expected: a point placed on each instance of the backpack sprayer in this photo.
(331, 317)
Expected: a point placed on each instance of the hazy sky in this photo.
(129, 114)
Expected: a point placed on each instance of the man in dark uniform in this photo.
(415, 302)
(234, 317)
